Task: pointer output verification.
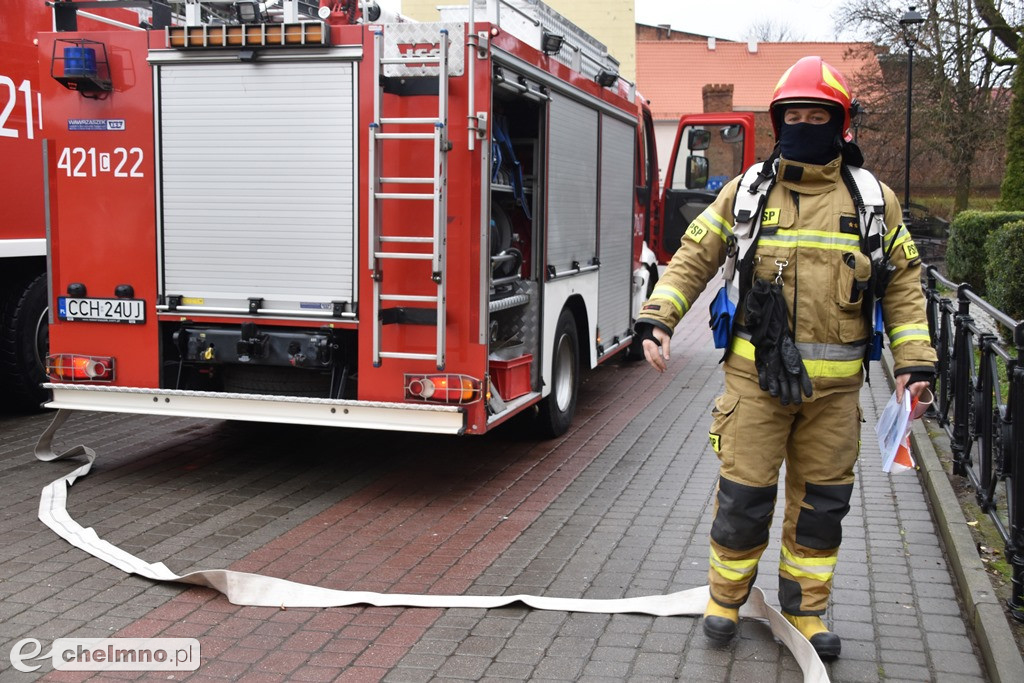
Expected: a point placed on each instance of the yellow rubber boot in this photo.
(826, 644)
(720, 622)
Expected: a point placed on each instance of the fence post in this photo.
(962, 388)
(985, 427)
(938, 330)
(931, 293)
(1015, 540)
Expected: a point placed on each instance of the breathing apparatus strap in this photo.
(867, 198)
(748, 205)
(748, 208)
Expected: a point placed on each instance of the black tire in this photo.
(24, 343)
(559, 407)
(635, 351)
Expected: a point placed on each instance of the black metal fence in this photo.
(979, 401)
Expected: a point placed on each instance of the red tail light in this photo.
(70, 367)
(442, 388)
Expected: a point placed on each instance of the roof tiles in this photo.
(672, 74)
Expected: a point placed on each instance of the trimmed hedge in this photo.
(965, 253)
(1011, 192)
(1004, 270)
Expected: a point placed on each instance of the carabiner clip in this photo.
(780, 265)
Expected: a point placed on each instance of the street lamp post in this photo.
(908, 25)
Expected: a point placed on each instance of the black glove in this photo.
(644, 330)
(759, 312)
(794, 378)
(780, 368)
(760, 318)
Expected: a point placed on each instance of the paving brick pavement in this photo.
(621, 506)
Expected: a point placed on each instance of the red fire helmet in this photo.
(814, 81)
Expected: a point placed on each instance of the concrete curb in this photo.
(984, 610)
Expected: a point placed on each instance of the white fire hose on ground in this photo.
(242, 588)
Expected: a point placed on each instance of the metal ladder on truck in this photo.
(439, 198)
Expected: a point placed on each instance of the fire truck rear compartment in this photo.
(257, 213)
(249, 359)
(516, 219)
(254, 203)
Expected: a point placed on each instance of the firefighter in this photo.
(796, 356)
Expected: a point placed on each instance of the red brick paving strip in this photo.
(433, 529)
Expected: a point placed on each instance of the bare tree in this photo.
(962, 69)
(767, 30)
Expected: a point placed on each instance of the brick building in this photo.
(691, 74)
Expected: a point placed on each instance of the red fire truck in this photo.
(316, 216)
(23, 291)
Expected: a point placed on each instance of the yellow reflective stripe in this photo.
(733, 570)
(713, 217)
(710, 226)
(811, 239)
(826, 561)
(899, 236)
(783, 79)
(896, 329)
(832, 368)
(904, 333)
(838, 236)
(726, 574)
(738, 564)
(829, 78)
(804, 244)
(672, 294)
(817, 568)
(824, 577)
(815, 368)
(910, 337)
(900, 239)
(742, 348)
(820, 351)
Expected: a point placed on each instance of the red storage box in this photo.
(512, 377)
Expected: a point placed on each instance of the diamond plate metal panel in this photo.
(412, 39)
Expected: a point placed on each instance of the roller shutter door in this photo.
(572, 184)
(616, 247)
(257, 195)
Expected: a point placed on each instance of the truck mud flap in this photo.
(242, 588)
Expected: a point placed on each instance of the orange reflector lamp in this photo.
(313, 33)
(443, 388)
(70, 367)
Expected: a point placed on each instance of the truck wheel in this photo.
(558, 408)
(24, 343)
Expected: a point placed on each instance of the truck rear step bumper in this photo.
(256, 408)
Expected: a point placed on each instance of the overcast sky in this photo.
(732, 19)
(806, 19)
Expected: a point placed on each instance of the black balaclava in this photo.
(811, 143)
